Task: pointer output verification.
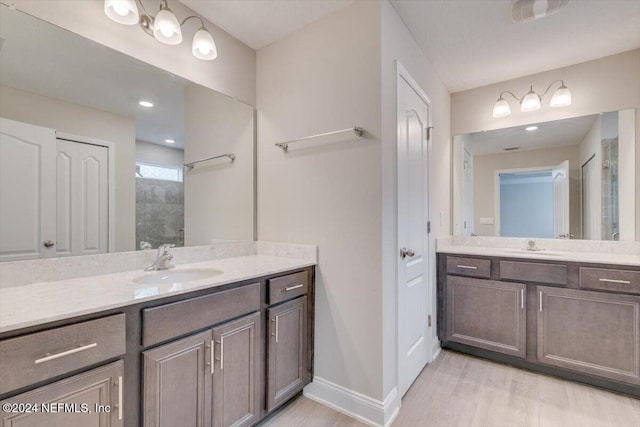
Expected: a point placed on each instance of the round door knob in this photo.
(404, 252)
(48, 243)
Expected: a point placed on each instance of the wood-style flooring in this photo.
(457, 390)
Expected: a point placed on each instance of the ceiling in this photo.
(558, 133)
(258, 23)
(470, 43)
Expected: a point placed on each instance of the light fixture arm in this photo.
(549, 87)
(194, 17)
(510, 93)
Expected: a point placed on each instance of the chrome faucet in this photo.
(531, 245)
(163, 259)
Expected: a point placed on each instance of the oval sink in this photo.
(165, 277)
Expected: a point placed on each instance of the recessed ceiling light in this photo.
(146, 104)
(170, 141)
(531, 128)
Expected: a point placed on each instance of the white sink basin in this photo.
(541, 252)
(168, 277)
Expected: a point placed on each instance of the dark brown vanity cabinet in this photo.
(215, 357)
(221, 365)
(591, 332)
(587, 335)
(91, 399)
(488, 314)
(286, 351)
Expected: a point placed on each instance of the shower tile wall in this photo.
(159, 212)
(610, 222)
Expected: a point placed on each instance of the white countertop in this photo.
(543, 255)
(33, 304)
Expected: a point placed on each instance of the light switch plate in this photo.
(486, 221)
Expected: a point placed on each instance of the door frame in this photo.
(111, 174)
(496, 190)
(428, 239)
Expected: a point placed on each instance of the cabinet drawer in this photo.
(36, 357)
(553, 274)
(180, 318)
(610, 280)
(287, 287)
(469, 267)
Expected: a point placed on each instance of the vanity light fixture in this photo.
(146, 104)
(531, 101)
(164, 27)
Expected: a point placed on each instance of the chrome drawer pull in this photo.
(120, 398)
(221, 353)
(290, 288)
(624, 282)
(468, 267)
(65, 353)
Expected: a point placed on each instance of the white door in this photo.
(560, 181)
(414, 342)
(82, 198)
(27, 191)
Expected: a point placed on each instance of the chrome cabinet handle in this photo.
(47, 358)
(521, 298)
(404, 252)
(540, 301)
(221, 353)
(276, 326)
(48, 243)
(467, 267)
(623, 282)
(290, 288)
(211, 363)
(120, 397)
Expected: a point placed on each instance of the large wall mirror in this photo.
(571, 178)
(94, 144)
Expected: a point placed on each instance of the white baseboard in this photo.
(435, 348)
(356, 405)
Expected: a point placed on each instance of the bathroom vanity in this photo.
(221, 353)
(577, 320)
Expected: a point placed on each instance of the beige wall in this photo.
(218, 194)
(158, 154)
(591, 146)
(323, 78)
(79, 120)
(232, 73)
(606, 84)
(399, 45)
(484, 176)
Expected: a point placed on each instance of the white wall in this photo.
(232, 73)
(398, 45)
(218, 194)
(323, 78)
(158, 154)
(606, 84)
(79, 120)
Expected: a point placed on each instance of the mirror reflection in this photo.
(93, 146)
(571, 178)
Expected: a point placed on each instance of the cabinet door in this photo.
(287, 351)
(591, 332)
(236, 372)
(90, 399)
(177, 383)
(488, 314)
